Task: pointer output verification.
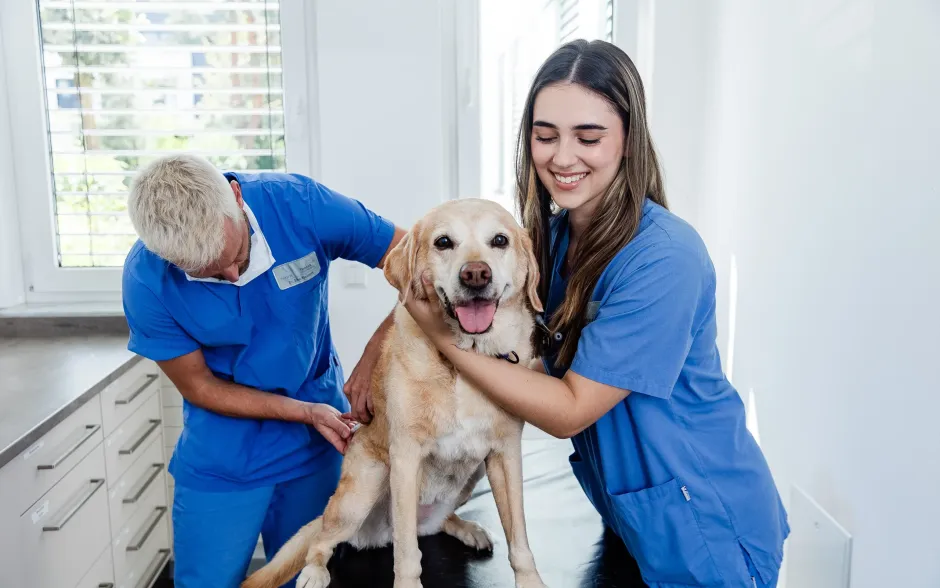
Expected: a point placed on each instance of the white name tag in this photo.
(288, 275)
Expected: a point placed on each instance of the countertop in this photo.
(45, 378)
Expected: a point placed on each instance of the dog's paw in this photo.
(475, 536)
(313, 577)
(470, 534)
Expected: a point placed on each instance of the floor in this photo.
(571, 547)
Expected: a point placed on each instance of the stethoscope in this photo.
(551, 339)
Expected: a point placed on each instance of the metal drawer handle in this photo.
(149, 525)
(149, 427)
(93, 487)
(155, 567)
(150, 378)
(106, 585)
(138, 489)
(87, 431)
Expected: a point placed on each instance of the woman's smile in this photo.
(568, 181)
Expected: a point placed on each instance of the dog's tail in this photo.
(288, 560)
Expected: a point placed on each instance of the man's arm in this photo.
(349, 230)
(359, 387)
(192, 377)
(396, 237)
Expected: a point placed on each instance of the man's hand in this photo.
(358, 388)
(335, 426)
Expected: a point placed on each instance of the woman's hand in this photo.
(335, 426)
(425, 309)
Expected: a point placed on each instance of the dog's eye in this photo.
(500, 241)
(443, 242)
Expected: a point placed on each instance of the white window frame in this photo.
(45, 281)
(461, 19)
(469, 165)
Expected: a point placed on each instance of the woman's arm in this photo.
(560, 407)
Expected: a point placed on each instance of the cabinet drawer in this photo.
(144, 477)
(32, 473)
(151, 563)
(129, 440)
(65, 530)
(101, 574)
(128, 393)
(145, 530)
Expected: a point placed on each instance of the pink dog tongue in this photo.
(476, 316)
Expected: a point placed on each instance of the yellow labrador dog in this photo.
(433, 434)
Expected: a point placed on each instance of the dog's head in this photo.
(476, 255)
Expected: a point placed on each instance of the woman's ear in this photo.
(400, 265)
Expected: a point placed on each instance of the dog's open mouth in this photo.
(475, 315)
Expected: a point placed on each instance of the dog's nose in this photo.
(475, 275)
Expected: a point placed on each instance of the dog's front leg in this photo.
(504, 471)
(405, 458)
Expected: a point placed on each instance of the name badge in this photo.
(590, 311)
(287, 275)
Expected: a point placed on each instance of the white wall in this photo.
(812, 167)
(11, 266)
(674, 77)
(383, 135)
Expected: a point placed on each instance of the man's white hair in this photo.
(178, 205)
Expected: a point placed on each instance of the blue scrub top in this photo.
(672, 469)
(258, 334)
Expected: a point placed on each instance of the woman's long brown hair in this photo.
(602, 68)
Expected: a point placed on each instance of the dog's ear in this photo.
(400, 264)
(532, 273)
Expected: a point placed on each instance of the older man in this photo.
(227, 291)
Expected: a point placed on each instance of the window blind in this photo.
(567, 20)
(609, 21)
(126, 82)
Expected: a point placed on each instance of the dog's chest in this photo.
(470, 434)
(470, 440)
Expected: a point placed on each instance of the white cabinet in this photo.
(87, 505)
(101, 574)
(63, 532)
(37, 469)
(142, 479)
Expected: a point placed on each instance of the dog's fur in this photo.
(433, 435)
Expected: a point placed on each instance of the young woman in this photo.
(631, 370)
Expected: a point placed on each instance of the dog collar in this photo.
(511, 357)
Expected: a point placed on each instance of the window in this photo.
(119, 84)
(125, 82)
(510, 55)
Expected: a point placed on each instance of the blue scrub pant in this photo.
(215, 533)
